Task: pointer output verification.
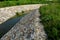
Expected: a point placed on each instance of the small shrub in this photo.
(17, 13)
(20, 13)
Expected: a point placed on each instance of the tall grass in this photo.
(50, 16)
(6, 3)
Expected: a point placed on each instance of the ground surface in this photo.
(8, 12)
(28, 28)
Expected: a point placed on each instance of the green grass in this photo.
(50, 16)
(22, 2)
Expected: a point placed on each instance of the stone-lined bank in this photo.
(8, 12)
(28, 28)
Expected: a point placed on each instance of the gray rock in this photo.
(28, 28)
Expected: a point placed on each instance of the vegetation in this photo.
(4, 3)
(50, 16)
(18, 14)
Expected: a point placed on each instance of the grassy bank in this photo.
(22, 2)
(50, 16)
